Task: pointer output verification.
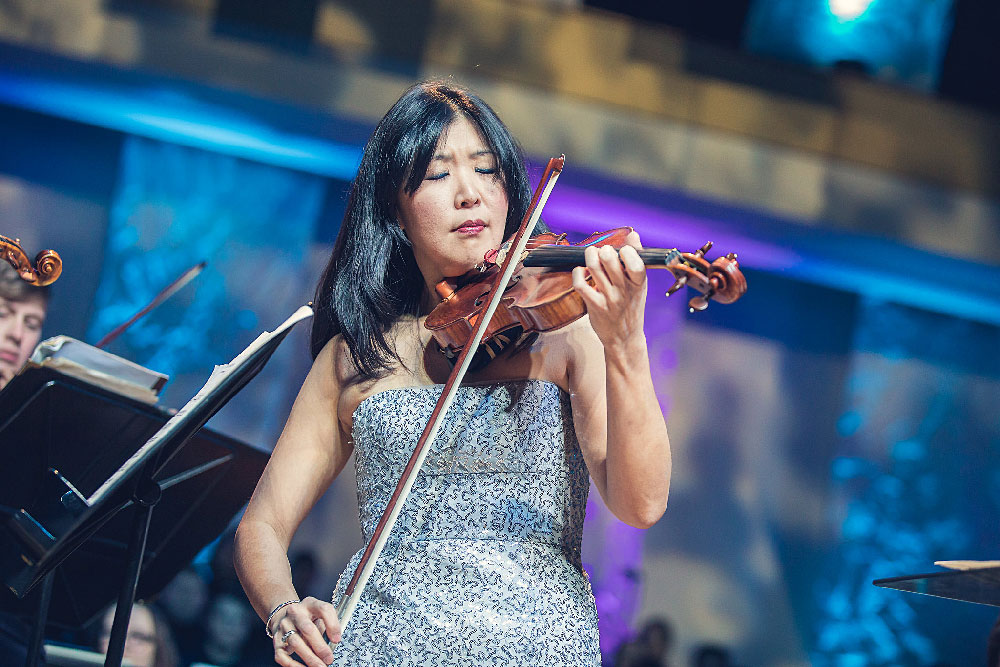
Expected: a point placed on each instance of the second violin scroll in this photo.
(541, 296)
(48, 264)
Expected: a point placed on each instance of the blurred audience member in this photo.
(227, 624)
(631, 657)
(657, 637)
(183, 602)
(148, 641)
(650, 648)
(993, 646)
(304, 569)
(710, 655)
(22, 312)
(224, 578)
(218, 621)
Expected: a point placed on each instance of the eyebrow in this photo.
(480, 153)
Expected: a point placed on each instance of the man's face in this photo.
(20, 329)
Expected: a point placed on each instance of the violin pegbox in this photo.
(720, 280)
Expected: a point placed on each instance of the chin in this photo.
(460, 268)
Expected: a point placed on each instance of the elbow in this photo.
(647, 515)
(648, 518)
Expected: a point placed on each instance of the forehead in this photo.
(461, 135)
(142, 620)
(33, 305)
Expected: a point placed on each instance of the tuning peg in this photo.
(705, 248)
(678, 284)
(700, 302)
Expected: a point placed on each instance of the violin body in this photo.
(541, 297)
(537, 300)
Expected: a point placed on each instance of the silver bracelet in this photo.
(267, 623)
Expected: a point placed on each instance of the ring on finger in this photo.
(284, 637)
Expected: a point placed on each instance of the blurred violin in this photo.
(540, 297)
(48, 264)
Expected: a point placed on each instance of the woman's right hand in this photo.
(300, 630)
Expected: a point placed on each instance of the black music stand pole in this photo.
(146, 496)
(41, 615)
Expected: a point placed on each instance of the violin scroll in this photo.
(720, 280)
(48, 264)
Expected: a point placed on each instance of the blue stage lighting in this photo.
(848, 10)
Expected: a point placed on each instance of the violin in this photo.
(540, 296)
(48, 264)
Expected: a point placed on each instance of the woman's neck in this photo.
(428, 300)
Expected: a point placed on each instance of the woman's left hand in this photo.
(617, 300)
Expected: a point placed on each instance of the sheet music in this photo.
(219, 373)
(99, 367)
(965, 565)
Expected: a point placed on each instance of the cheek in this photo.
(498, 198)
(497, 202)
(423, 216)
(28, 344)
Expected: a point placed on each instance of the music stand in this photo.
(979, 585)
(49, 512)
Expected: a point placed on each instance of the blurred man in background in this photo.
(22, 313)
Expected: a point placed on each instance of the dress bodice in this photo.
(483, 565)
(511, 447)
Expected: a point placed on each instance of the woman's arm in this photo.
(618, 419)
(309, 454)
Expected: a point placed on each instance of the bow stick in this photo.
(164, 294)
(381, 535)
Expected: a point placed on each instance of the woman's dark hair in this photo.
(372, 278)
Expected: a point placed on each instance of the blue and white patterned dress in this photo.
(483, 566)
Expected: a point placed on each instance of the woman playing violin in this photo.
(483, 565)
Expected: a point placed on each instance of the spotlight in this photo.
(848, 10)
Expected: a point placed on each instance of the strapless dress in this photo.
(483, 565)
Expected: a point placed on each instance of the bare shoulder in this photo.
(334, 364)
(323, 374)
(335, 357)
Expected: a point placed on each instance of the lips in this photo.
(471, 227)
(8, 356)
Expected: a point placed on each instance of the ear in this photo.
(400, 233)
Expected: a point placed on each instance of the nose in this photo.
(466, 191)
(14, 329)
